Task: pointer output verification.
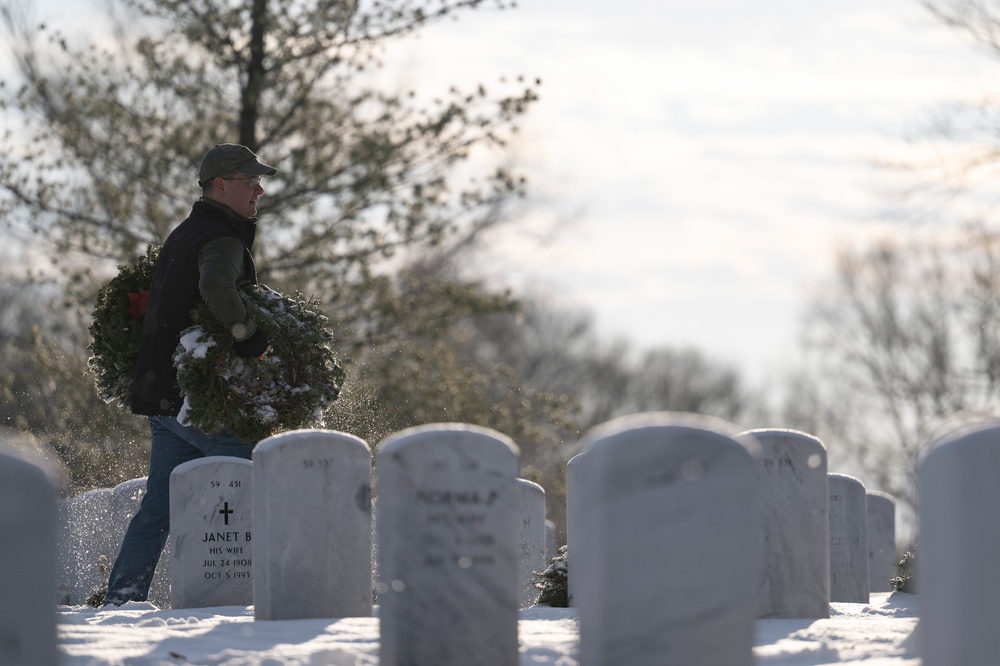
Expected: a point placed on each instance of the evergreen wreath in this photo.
(117, 328)
(291, 386)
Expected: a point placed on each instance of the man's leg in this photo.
(217, 444)
(146, 535)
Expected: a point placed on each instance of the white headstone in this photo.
(27, 565)
(550, 540)
(447, 587)
(374, 539)
(574, 523)
(210, 533)
(65, 555)
(794, 522)
(672, 542)
(32, 450)
(881, 541)
(91, 546)
(958, 587)
(531, 535)
(312, 521)
(848, 539)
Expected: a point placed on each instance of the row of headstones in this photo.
(91, 527)
(320, 479)
(824, 536)
(711, 520)
(291, 532)
(670, 524)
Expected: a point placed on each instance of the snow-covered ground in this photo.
(880, 633)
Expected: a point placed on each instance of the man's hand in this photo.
(255, 345)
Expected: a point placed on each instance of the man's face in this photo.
(240, 192)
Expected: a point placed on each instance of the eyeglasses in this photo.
(252, 182)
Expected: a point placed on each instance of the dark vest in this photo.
(173, 295)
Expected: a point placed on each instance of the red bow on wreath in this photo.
(137, 303)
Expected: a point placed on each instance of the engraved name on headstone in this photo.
(672, 497)
(848, 539)
(210, 533)
(312, 548)
(794, 580)
(447, 547)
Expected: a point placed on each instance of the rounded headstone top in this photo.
(525, 483)
(93, 493)
(845, 478)
(785, 433)
(30, 449)
(208, 460)
(19, 468)
(973, 432)
(126, 486)
(306, 435)
(878, 495)
(606, 434)
(452, 432)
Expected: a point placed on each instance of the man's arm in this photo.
(220, 265)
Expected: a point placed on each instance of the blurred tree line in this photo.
(379, 202)
(902, 343)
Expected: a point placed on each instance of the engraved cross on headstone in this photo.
(225, 511)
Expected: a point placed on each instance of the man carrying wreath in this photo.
(204, 258)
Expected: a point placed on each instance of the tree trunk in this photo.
(255, 76)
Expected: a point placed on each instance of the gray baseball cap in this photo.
(225, 157)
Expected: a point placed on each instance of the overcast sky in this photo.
(710, 155)
(707, 157)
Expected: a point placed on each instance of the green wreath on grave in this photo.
(292, 386)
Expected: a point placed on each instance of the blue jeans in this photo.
(172, 445)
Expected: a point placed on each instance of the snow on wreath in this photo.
(292, 386)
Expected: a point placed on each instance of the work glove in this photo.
(255, 345)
